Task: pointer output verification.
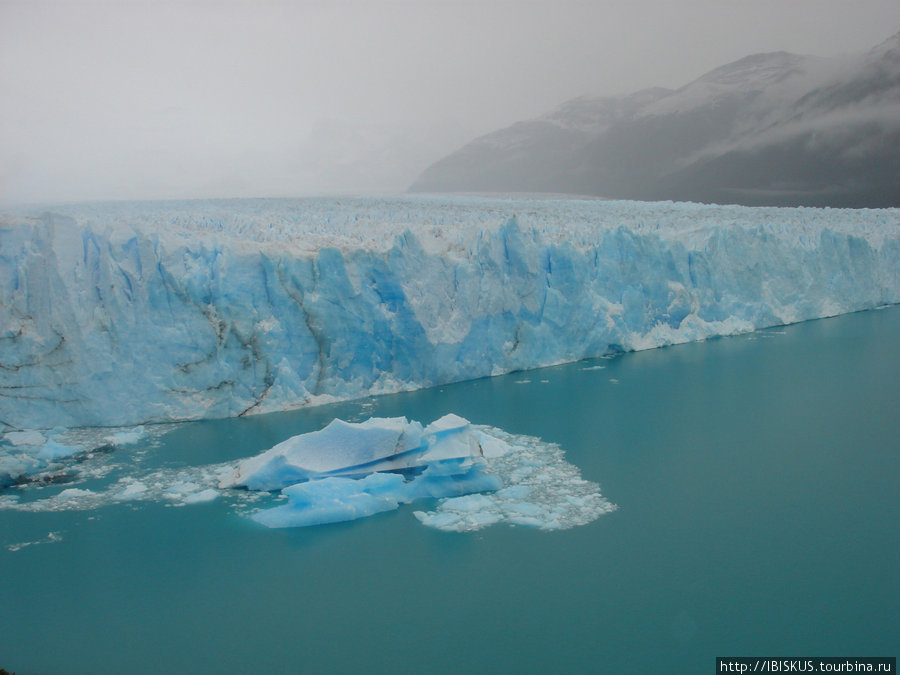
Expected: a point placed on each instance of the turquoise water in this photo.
(756, 483)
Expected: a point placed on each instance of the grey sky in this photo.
(149, 99)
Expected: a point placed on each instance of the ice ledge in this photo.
(131, 313)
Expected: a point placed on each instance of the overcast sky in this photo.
(151, 99)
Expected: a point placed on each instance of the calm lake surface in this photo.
(756, 480)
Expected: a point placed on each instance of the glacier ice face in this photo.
(122, 314)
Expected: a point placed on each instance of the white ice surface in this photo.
(126, 313)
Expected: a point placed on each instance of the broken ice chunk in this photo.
(348, 471)
(341, 447)
(358, 449)
(333, 500)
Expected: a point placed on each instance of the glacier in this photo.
(128, 313)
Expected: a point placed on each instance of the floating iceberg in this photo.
(333, 500)
(358, 449)
(478, 475)
(348, 471)
(122, 314)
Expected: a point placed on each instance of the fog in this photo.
(157, 100)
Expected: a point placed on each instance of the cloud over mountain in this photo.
(768, 129)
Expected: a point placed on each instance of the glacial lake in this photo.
(756, 483)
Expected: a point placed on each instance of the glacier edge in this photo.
(117, 315)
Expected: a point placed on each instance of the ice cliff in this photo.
(126, 313)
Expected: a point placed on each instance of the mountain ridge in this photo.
(775, 129)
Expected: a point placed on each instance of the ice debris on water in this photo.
(51, 538)
(35, 455)
(478, 475)
(462, 477)
(541, 489)
(173, 487)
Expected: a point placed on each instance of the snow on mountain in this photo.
(747, 77)
(126, 313)
(776, 129)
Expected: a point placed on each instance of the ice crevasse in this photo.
(128, 313)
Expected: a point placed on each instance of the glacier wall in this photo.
(128, 313)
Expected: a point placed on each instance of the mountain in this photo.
(770, 129)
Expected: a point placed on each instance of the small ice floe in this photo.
(53, 449)
(126, 436)
(19, 438)
(25, 455)
(51, 538)
(206, 495)
(70, 499)
(541, 490)
(134, 489)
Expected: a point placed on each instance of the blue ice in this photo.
(353, 470)
(128, 313)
